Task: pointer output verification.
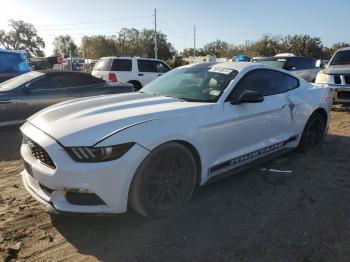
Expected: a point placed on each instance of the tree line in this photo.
(301, 45)
(133, 42)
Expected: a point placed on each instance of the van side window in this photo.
(147, 65)
(121, 65)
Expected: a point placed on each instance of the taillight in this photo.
(112, 77)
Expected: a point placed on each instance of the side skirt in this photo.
(248, 165)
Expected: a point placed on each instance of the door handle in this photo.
(140, 74)
(159, 74)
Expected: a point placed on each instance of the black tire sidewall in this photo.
(138, 196)
(302, 146)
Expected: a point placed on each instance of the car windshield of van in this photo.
(19, 80)
(341, 58)
(200, 83)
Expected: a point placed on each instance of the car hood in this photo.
(87, 121)
(337, 70)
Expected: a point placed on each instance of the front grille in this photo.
(343, 94)
(337, 79)
(347, 79)
(39, 153)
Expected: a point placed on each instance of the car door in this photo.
(8, 107)
(147, 71)
(46, 91)
(251, 130)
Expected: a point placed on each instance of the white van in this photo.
(134, 70)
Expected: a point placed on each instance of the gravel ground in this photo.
(251, 216)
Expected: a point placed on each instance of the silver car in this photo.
(304, 67)
(24, 95)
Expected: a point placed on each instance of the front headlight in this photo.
(98, 154)
(322, 78)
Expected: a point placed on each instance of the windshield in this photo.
(341, 58)
(199, 83)
(19, 80)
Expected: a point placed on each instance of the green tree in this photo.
(328, 52)
(22, 36)
(95, 47)
(132, 42)
(187, 52)
(218, 48)
(63, 45)
(303, 45)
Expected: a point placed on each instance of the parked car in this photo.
(134, 70)
(304, 67)
(337, 76)
(150, 149)
(13, 63)
(26, 94)
(43, 63)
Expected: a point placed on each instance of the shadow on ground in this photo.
(10, 143)
(251, 216)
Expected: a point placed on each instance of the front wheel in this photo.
(164, 182)
(313, 133)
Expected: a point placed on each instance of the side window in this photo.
(266, 82)
(289, 82)
(161, 67)
(146, 65)
(82, 79)
(292, 64)
(44, 83)
(70, 80)
(121, 65)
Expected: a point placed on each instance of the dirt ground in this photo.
(251, 216)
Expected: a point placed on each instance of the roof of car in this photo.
(50, 71)
(238, 66)
(127, 57)
(344, 48)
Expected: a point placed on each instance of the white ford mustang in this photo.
(151, 149)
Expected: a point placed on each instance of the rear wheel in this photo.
(164, 182)
(313, 133)
(137, 85)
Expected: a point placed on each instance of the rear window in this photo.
(121, 65)
(299, 63)
(103, 65)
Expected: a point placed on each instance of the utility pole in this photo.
(155, 35)
(194, 43)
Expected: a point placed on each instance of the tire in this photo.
(136, 84)
(313, 133)
(164, 182)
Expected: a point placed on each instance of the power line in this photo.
(97, 21)
(83, 28)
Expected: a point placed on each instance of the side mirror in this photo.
(249, 97)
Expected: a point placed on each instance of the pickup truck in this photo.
(337, 76)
